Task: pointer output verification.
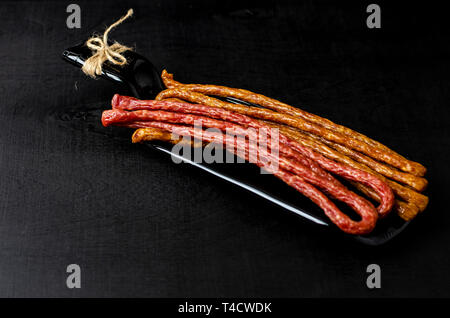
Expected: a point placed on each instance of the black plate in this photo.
(144, 82)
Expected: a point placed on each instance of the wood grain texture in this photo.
(139, 225)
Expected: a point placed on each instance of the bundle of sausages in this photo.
(310, 150)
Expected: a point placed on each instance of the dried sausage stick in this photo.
(319, 145)
(405, 193)
(258, 99)
(122, 102)
(362, 207)
(298, 164)
(293, 121)
(406, 210)
(306, 168)
(415, 182)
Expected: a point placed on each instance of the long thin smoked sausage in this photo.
(404, 192)
(306, 168)
(248, 96)
(406, 210)
(409, 210)
(418, 183)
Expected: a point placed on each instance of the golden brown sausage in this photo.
(286, 119)
(317, 144)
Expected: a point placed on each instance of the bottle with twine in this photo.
(102, 52)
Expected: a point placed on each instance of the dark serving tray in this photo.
(144, 82)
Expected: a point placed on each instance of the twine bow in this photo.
(103, 52)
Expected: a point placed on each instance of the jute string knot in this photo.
(103, 52)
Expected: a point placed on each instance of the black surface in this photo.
(138, 225)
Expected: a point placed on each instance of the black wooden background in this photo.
(138, 225)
